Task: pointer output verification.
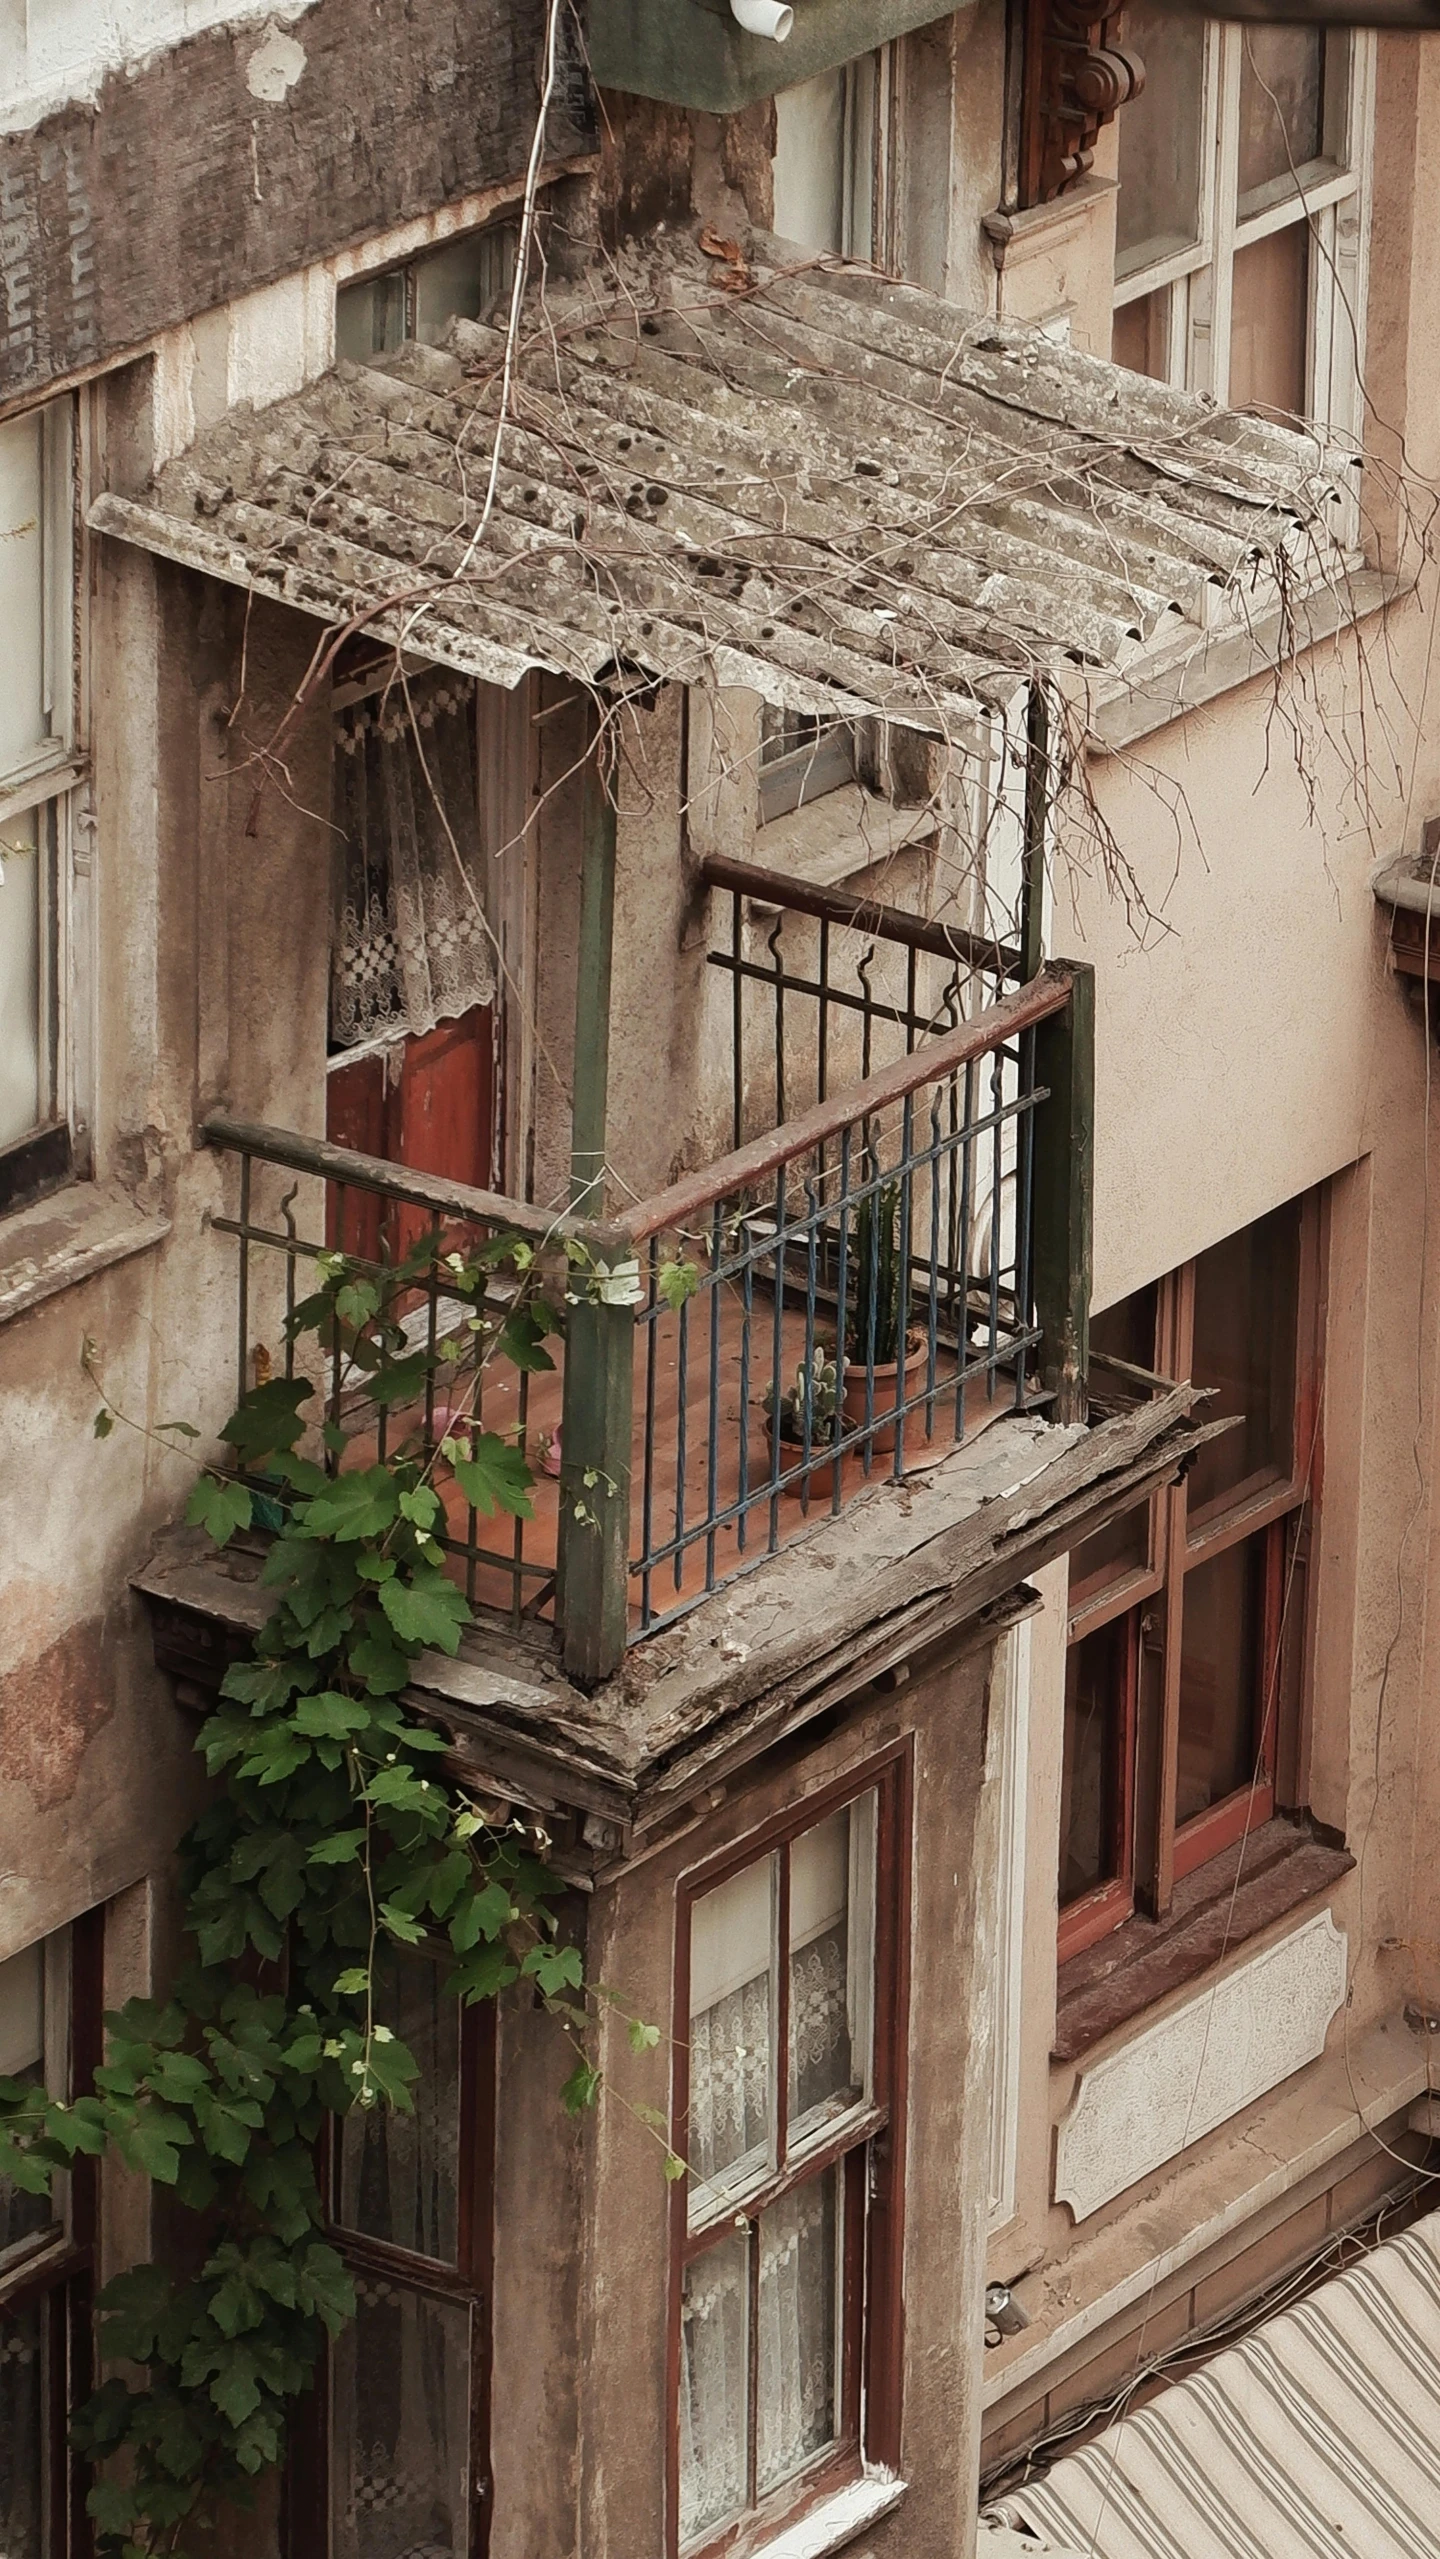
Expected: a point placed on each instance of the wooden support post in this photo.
(1063, 1201)
(593, 1563)
(592, 985)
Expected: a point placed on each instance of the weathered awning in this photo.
(1318, 2438)
(830, 488)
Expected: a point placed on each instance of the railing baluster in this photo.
(747, 1309)
(777, 1359)
(737, 1013)
(902, 1308)
(242, 1346)
(932, 1308)
(651, 1321)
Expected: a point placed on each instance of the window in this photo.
(41, 1128)
(801, 758)
(405, 2467)
(1187, 1616)
(463, 279)
(1239, 232)
(832, 158)
(787, 2229)
(49, 2015)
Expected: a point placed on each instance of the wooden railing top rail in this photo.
(680, 1205)
(371, 1173)
(863, 915)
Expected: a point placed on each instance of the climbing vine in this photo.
(333, 1836)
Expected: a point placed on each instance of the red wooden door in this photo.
(435, 1115)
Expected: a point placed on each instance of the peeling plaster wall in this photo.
(1252, 1042)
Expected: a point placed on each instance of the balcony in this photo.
(893, 1260)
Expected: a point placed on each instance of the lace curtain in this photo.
(410, 948)
(401, 2426)
(399, 2173)
(730, 2078)
(21, 2428)
(796, 2361)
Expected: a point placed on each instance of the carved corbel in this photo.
(1077, 73)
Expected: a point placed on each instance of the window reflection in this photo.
(1096, 1677)
(1219, 1678)
(1282, 104)
(399, 2172)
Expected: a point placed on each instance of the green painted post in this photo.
(592, 987)
(593, 1554)
(1037, 809)
(1062, 1205)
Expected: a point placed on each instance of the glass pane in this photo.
(399, 2173)
(798, 2398)
(22, 2433)
(400, 2427)
(1158, 210)
(23, 725)
(831, 1894)
(810, 163)
(22, 2057)
(1219, 1677)
(464, 280)
(731, 1933)
(24, 1082)
(1140, 335)
(1282, 104)
(1269, 313)
(1097, 1671)
(370, 317)
(714, 2385)
(1244, 1345)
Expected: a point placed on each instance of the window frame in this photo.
(1279, 1509)
(54, 2269)
(866, 2147)
(1333, 198)
(52, 785)
(406, 274)
(467, 2281)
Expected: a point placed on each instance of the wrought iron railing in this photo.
(831, 1304)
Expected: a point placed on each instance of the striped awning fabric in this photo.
(1317, 2438)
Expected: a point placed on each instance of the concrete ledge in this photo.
(1156, 695)
(1312, 2120)
(68, 1238)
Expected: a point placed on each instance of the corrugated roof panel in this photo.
(1317, 2438)
(826, 486)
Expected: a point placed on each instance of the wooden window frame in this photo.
(867, 2146)
(468, 2280)
(57, 2271)
(1280, 1510)
(51, 787)
(1333, 197)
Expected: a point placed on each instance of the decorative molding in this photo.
(1143, 2105)
(1076, 77)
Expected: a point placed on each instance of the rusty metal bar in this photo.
(1044, 996)
(370, 1173)
(862, 915)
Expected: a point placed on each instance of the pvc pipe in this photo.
(764, 18)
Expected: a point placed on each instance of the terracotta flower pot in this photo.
(887, 1392)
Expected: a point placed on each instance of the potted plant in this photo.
(876, 1322)
(810, 1405)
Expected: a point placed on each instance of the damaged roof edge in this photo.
(949, 1551)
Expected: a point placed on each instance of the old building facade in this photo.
(742, 661)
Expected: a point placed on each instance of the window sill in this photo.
(837, 2520)
(1151, 697)
(68, 1237)
(1144, 1960)
(838, 837)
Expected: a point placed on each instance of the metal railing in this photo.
(835, 1302)
(397, 1210)
(829, 1305)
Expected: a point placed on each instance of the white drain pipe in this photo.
(764, 18)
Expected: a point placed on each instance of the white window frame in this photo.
(53, 784)
(1333, 196)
